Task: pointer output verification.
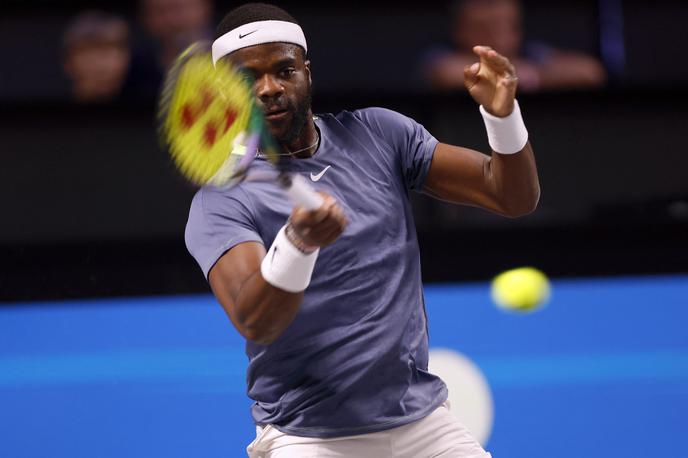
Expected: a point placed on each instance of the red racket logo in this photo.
(191, 113)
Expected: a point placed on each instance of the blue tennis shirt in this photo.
(355, 358)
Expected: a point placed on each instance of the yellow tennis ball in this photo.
(523, 289)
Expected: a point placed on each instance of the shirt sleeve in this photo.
(409, 139)
(217, 222)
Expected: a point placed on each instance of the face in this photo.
(97, 69)
(282, 83)
(495, 23)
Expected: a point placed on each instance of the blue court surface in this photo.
(602, 371)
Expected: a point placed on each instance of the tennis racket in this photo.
(209, 123)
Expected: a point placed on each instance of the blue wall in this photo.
(601, 371)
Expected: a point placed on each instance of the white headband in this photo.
(258, 33)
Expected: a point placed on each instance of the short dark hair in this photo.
(252, 12)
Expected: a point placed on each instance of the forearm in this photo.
(269, 299)
(512, 175)
(262, 311)
(261, 291)
(514, 181)
(506, 182)
(259, 309)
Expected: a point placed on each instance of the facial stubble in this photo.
(300, 119)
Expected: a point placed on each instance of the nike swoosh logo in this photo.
(247, 34)
(320, 175)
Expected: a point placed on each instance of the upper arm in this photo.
(506, 184)
(460, 175)
(231, 272)
(217, 223)
(258, 310)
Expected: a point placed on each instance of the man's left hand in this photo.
(492, 82)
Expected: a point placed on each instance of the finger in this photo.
(481, 50)
(324, 237)
(470, 74)
(509, 82)
(499, 63)
(325, 226)
(329, 237)
(335, 218)
(311, 227)
(492, 58)
(335, 223)
(300, 217)
(340, 216)
(301, 220)
(313, 217)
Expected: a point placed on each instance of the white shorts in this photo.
(439, 435)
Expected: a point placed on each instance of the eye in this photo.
(287, 72)
(246, 79)
(247, 75)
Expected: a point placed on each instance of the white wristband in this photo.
(286, 267)
(506, 135)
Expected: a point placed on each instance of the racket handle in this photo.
(300, 192)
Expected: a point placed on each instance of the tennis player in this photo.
(330, 301)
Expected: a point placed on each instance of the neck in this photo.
(306, 141)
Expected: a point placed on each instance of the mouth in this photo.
(273, 115)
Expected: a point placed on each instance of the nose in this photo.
(268, 87)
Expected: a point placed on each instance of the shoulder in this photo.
(211, 207)
(371, 117)
(382, 122)
(377, 117)
(218, 220)
(392, 126)
(389, 130)
(209, 199)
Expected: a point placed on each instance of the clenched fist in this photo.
(310, 229)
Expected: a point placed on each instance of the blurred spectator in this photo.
(96, 56)
(175, 24)
(169, 26)
(499, 24)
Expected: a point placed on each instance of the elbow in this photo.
(263, 322)
(261, 339)
(257, 335)
(259, 330)
(254, 326)
(523, 206)
(519, 212)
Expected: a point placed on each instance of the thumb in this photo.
(470, 74)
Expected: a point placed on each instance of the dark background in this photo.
(90, 207)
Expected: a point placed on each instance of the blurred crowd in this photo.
(499, 24)
(106, 58)
(103, 61)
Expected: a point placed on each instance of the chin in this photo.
(279, 134)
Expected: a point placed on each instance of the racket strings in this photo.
(205, 111)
